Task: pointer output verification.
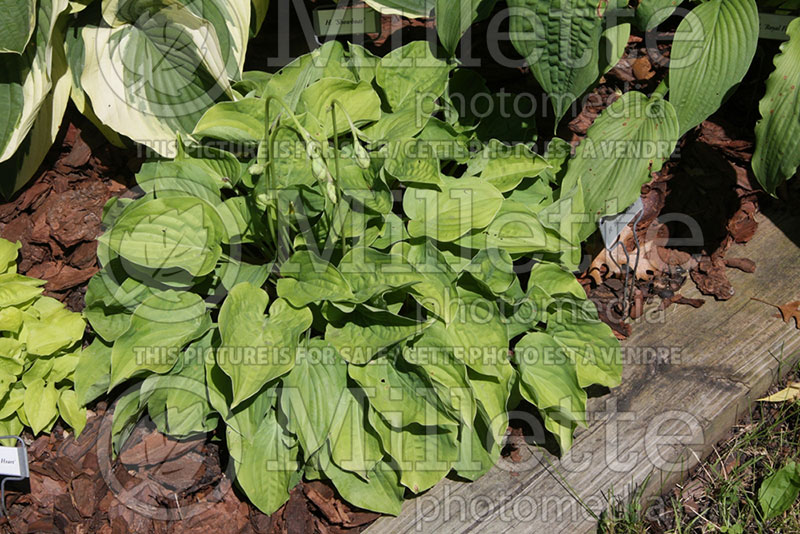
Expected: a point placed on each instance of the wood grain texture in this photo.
(656, 426)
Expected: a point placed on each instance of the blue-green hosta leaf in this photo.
(40, 405)
(359, 101)
(168, 233)
(628, 141)
(651, 13)
(560, 41)
(713, 47)
(424, 455)
(17, 25)
(382, 492)
(462, 205)
(363, 333)
(411, 76)
(155, 77)
(267, 465)
(310, 394)
(160, 327)
(354, 446)
(257, 349)
(778, 132)
(309, 279)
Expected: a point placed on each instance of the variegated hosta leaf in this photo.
(410, 8)
(559, 39)
(34, 147)
(17, 24)
(155, 78)
(778, 132)
(26, 80)
(712, 50)
(629, 140)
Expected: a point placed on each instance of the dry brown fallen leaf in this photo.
(789, 393)
(789, 311)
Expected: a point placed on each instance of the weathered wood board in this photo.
(656, 426)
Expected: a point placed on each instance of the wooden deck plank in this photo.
(653, 428)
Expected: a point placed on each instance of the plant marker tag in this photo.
(772, 26)
(14, 462)
(350, 21)
(611, 226)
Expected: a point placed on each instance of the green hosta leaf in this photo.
(17, 26)
(360, 335)
(93, 373)
(240, 121)
(778, 132)
(354, 446)
(560, 41)
(155, 77)
(424, 454)
(412, 161)
(382, 492)
(166, 233)
(400, 394)
(359, 101)
(651, 13)
(713, 47)
(494, 269)
(70, 410)
(309, 279)
(404, 123)
(492, 394)
(310, 394)
(446, 215)
(436, 289)
(16, 289)
(40, 407)
(411, 76)
(779, 491)
(160, 327)
(267, 465)
(628, 141)
(453, 18)
(256, 349)
(370, 272)
(504, 167)
(555, 280)
(515, 229)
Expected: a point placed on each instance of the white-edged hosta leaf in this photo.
(155, 78)
(713, 47)
(778, 132)
(17, 24)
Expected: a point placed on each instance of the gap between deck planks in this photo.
(653, 428)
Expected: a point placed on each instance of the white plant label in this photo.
(13, 462)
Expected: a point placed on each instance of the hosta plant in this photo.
(39, 346)
(355, 280)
